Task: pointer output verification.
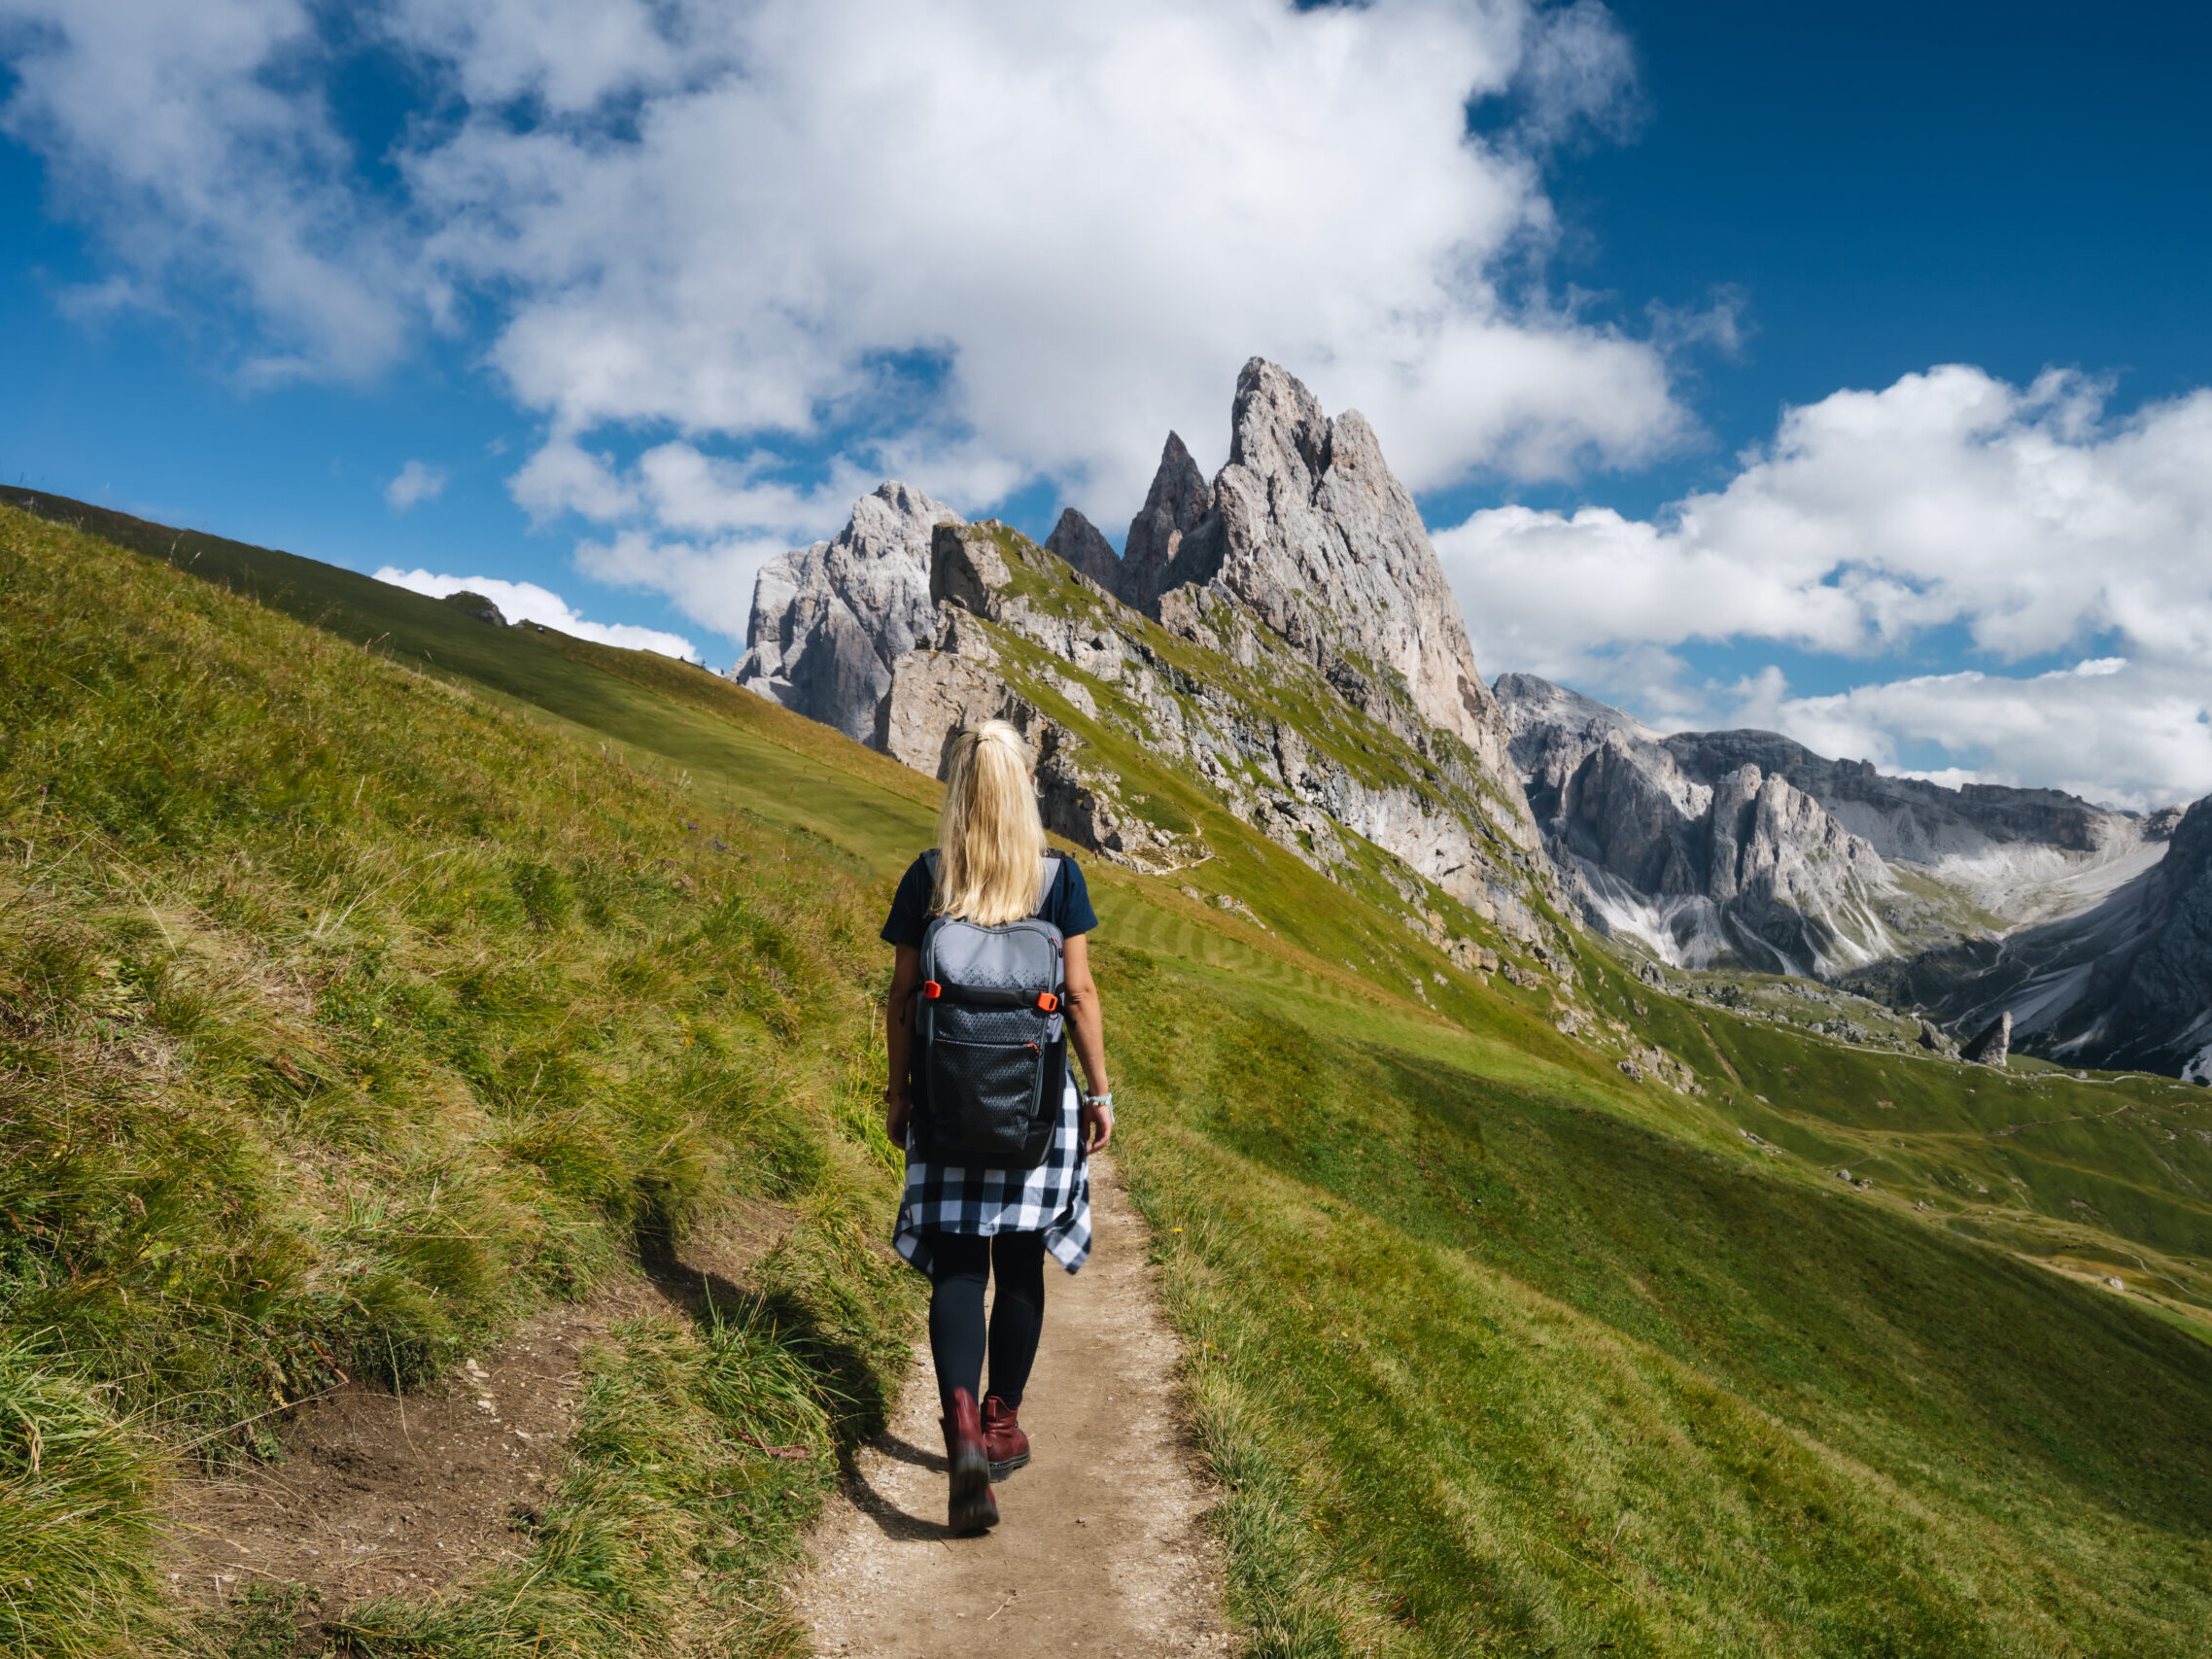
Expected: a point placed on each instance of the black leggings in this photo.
(960, 1266)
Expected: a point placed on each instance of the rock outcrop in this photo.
(1991, 1045)
(1308, 529)
(1176, 505)
(829, 621)
(475, 604)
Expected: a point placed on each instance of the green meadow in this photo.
(369, 977)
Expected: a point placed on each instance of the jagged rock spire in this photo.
(1180, 497)
(1085, 546)
(1308, 527)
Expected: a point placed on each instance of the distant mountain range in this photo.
(1334, 701)
(2092, 927)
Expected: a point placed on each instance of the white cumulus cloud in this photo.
(527, 602)
(417, 481)
(2026, 518)
(973, 243)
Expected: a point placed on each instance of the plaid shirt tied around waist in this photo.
(1053, 1199)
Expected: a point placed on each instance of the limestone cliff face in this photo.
(1307, 526)
(829, 621)
(1738, 866)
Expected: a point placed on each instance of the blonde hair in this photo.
(991, 840)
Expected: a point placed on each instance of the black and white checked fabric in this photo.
(1054, 1198)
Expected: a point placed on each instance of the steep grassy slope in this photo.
(344, 1017)
(1497, 1349)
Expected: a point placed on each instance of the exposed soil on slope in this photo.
(377, 1494)
(1101, 1545)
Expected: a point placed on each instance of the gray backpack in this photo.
(990, 1037)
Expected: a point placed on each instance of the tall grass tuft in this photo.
(77, 1525)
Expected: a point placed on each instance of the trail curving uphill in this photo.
(1101, 1547)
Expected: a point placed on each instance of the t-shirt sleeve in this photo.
(1069, 907)
(908, 920)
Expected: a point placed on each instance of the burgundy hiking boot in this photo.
(973, 1508)
(1004, 1442)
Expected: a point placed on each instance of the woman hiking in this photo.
(966, 1214)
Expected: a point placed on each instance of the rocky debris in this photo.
(475, 604)
(1081, 543)
(1845, 1031)
(1931, 1039)
(1307, 528)
(830, 621)
(1990, 1045)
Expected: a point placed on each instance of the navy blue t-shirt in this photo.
(1068, 905)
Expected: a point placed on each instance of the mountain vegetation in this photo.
(370, 976)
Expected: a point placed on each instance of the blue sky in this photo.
(646, 294)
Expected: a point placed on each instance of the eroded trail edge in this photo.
(1101, 1547)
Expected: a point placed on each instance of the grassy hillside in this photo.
(400, 998)
(345, 1017)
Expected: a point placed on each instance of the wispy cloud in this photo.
(417, 481)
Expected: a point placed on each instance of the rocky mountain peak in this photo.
(1308, 528)
(1084, 547)
(1178, 502)
(828, 621)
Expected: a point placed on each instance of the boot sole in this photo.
(1000, 1470)
(973, 1509)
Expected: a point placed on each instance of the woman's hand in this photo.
(898, 1109)
(1097, 1126)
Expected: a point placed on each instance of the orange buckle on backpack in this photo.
(1047, 1002)
(932, 989)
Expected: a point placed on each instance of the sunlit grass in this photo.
(344, 1018)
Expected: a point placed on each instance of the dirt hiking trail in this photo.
(1101, 1545)
(379, 1493)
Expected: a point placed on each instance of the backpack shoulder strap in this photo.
(1050, 874)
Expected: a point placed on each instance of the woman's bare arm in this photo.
(898, 1041)
(1086, 1029)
